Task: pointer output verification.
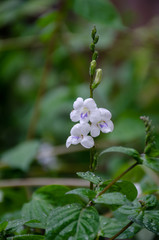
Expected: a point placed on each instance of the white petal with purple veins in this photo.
(87, 142)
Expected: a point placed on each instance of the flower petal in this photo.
(68, 141)
(87, 142)
(75, 139)
(95, 116)
(90, 104)
(106, 127)
(75, 116)
(95, 131)
(85, 128)
(105, 114)
(76, 130)
(78, 103)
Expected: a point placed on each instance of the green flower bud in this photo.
(94, 30)
(92, 47)
(92, 68)
(96, 39)
(98, 78)
(95, 55)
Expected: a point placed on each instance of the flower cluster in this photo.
(91, 120)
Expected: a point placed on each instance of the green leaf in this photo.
(3, 225)
(72, 222)
(125, 187)
(114, 198)
(129, 151)
(147, 219)
(139, 214)
(36, 209)
(85, 193)
(101, 11)
(22, 155)
(150, 201)
(150, 162)
(110, 226)
(27, 237)
(56, 195)
(91, 177)
(14, 224)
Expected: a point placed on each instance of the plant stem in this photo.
(121, 231)
(91, 167)
(116, 179)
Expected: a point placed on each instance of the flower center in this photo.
(84, 113)
(102, 124)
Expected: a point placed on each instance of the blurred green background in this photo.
(44, 67)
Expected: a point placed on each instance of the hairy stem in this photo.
(121, 231)
(116, 179)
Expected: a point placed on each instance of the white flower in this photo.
(79, 134)
(101, 122)
(83, 110)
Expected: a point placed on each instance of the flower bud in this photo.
(98, 78)
(92, 68)
(95, 55)
(92, 47)
(96, 39)
(94, 30)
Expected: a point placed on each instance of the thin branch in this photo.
(43, 181)
(116, 179)
(121, 231)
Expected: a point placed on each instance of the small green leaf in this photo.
(27, 237)
(114, 198)
(22, 155)
(150, 201)
(129, 151)
(110, 226)
(3, 225)
(150, 162)
(14, 224)
(72, 222)
(83, 192)
(36, 209)
(91, 177)
(125, 187)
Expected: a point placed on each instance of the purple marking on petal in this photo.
(84, 115)
(75, 137)
(104, 124)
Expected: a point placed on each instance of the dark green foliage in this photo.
(74, 222)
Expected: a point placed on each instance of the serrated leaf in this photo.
(128, 151)
(14, 224)
(101, 11)
(3, 225)
(125, 187)
(147, 219)
(72, 222)
(27, 237)
(56, 195)
(110, 226)
(22, 155)
(150, 162)
(114, 198)
(36, 209)
(83, 192)
(91, 177)
(150, 201)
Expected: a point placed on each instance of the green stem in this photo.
(91, 166)
(116, 179)
(91, 89)
(121, 231)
